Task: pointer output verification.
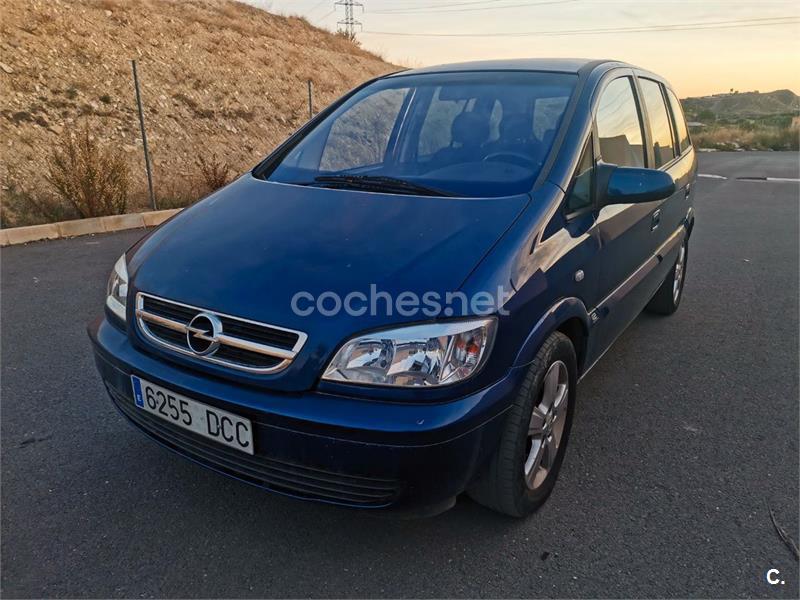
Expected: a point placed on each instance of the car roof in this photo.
(555, 65)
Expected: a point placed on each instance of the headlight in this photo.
(117, 290)
(420, 355)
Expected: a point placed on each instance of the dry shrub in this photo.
(732, 137)
(214, 172)
(348, 36)
(178, 192)
(21, 206)
(91, 178)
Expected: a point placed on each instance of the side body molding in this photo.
(560, 312)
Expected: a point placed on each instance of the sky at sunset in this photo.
(700, 46)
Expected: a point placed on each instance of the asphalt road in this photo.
(751, 164)
(686, 436)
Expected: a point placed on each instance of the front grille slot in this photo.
(177, 312)
(242, 344)
(170, 335)
(273, 337)
(278, 475)
(245, 357)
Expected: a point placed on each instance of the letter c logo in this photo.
(773, 580)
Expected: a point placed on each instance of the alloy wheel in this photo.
(546, 427)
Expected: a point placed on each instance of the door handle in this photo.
(655, 221)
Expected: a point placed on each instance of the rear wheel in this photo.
(668, 297)
(524, 468)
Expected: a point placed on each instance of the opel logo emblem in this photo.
(202, 334)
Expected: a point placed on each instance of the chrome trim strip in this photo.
(256, 347)
(159, 320)
(143, 317)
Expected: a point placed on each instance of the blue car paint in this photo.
(247, 248)
(289, 238)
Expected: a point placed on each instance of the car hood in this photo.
(249, 248)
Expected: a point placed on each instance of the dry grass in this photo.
(733, 137)
(176, 192)
(20, 206)
(217, 77)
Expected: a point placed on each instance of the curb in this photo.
(65, 229)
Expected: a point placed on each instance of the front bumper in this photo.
(410, 458)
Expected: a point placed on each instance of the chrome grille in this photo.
(240, 343)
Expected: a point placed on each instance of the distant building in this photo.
(695, 125)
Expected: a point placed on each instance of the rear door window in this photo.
(680, 122)
(619, 128)
(660, 128)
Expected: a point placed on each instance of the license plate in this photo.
(208, 421)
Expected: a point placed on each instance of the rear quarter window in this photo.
(680, 122)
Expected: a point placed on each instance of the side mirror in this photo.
(626, 185)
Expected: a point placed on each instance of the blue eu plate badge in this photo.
(137, 391)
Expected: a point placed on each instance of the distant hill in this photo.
(217, 76)
(743, 105)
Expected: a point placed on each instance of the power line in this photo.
(440, 8)
(735, 24)
(316, 6)
(433, 4)
(430, 5)
(435, 7)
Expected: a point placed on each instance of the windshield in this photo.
(475, 134)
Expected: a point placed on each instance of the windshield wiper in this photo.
(381, 183)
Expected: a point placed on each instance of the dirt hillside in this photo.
(217, 77)
(743, 105)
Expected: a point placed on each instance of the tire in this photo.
(508, 485)
(668, 297)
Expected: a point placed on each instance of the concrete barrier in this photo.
(80, 227)
(157, 217)
(23, 235)
(120, 222)
(65, 229)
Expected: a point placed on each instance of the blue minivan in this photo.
(396, 305)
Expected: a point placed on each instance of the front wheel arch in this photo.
(577, 333)
(570, 317)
